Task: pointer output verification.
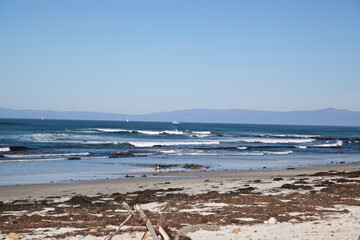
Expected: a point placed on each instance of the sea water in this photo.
(44, 151)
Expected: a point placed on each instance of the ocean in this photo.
(65, 151)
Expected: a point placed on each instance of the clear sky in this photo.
(148, 56)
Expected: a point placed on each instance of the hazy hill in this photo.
(329, 116)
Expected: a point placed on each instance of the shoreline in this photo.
(123, 185)
(317, 202)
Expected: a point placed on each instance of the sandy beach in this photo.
(319, 202)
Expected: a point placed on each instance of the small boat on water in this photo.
(175, 122)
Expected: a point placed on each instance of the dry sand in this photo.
(200, 205)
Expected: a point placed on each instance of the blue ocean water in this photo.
(43, 151)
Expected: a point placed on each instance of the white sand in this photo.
(335, 226)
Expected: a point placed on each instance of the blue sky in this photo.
(148, 56)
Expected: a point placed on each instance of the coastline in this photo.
(317, 202)
(124, 185)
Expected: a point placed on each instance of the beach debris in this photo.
(193, 166)
(111, 235)
(157, 232)
(13, 236)
(80, 200)
(236, 230)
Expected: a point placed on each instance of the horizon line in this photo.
(215, 109)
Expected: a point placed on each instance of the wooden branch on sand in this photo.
(143, 219)
(147, 222)
(111, 235)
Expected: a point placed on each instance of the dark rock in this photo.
(289, 186)
(293, 186)
(247, 190)
(193, 166)
(163, 166)
(278, 179)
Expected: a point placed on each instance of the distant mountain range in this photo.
(326, 117)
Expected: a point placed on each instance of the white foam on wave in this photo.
(242, 148)
(289, 135)
(45, 155)
(168, 151)
(262, 153)
(247, 153)
(276, 140)
(47, 159)
(301, 147)
(113, 130)
(201, 133)
(45, 137)
(4, 149)
(98, 142)
(338, 143)
(175, 132)
(148, 132)
(152, 144)
(170, 132)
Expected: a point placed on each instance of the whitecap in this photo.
(242, 148)
(275, 140)
(152, 144)
(248, 153)
(338, 143)
(113, 130)
(149, 132)
(48, 159)
(168, 151)
(45, 155)
(4, 149)
(289, 135)
(262, 153)
(201, 133)
(45, 137)
(176, 132)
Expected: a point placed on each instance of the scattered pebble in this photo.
(93, 230)
(272, 220)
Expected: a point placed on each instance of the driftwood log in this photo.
(141, 217)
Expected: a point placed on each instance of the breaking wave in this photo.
(154, 144)
(4, 149)
(247, 153)
(45, 155)
(276, 140)
(338, 143)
